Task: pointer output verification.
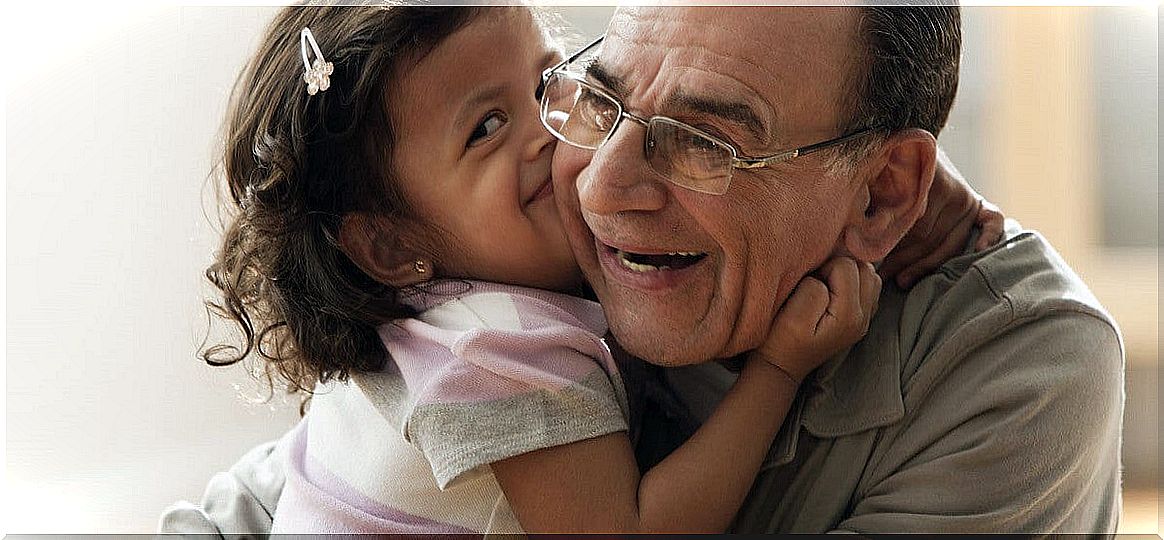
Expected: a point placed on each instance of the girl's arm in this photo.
(953, 209)
(594, 485)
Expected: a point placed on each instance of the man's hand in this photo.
(819, 320)
(953, 209)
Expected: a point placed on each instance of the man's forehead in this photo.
(772, 53)
(754, 32)
(751, 34)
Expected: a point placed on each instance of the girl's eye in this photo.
(487, 127)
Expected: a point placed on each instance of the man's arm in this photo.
(239, 501)
(1021, 434)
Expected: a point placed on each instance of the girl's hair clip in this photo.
(316, 74)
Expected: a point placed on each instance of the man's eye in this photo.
(698, 144)
(703, 144)
(597, 111)
(487, 127)
(714, 132)
(603, 120)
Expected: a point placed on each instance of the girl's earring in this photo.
(422, 269)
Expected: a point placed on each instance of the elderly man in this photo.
(724, 154)
(987, 398)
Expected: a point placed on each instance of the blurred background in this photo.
(112, 119)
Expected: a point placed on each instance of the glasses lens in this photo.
(688, 158)
(577, 114)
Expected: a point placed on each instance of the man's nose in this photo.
(619, 179)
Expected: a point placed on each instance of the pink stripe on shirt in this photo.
(315, 501)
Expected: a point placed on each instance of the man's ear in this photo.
(894, 196)
(381, 255)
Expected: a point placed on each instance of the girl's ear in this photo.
(893, 197)
(382, 256)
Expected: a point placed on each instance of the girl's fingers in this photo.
(870, 288)
(806, 305)
(947, 240)
(926, 235)
(992, 222)
(952, 244)
(844, 286)
(937, 205)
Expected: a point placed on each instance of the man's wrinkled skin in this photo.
(774, 225)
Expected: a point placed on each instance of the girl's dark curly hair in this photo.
(295, 165)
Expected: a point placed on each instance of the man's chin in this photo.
(643, 328)
(657, 346)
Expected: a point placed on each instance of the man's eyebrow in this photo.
(735, 111)
(612, 82)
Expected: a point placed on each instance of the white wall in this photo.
(110, 126)
(112, 119)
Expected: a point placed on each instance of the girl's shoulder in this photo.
(507, 369)
(469, 332)
(462, 305)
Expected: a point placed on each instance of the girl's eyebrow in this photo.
(489, 93)
(475, 99)
(552, 57)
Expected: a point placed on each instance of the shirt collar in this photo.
(857, 390)
(860, 389)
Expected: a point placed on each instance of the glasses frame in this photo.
(738, 159)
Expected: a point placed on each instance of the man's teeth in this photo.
(636, 267)
(644, 267)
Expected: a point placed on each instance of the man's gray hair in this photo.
(905, 74)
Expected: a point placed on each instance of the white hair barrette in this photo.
(316, 74)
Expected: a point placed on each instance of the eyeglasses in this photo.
(581, 114)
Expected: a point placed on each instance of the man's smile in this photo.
(646, 262)
(647, 268)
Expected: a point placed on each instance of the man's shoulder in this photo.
(975, 299)
(1000, 366)
(1020, 278)
(1027, 273)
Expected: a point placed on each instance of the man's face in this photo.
(764, 80)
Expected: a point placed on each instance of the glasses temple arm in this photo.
(546, 74)
(834, 142)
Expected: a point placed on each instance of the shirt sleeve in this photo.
(1020, 435)
(239, 501)
(512, 392)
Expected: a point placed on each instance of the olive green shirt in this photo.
(988, 398)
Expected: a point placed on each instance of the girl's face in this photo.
(473, 158)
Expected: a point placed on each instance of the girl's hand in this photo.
(819, 320)
(953, 209)
(593, 485)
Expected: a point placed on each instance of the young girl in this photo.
(396, 250)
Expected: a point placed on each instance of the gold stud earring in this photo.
(420, 267)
